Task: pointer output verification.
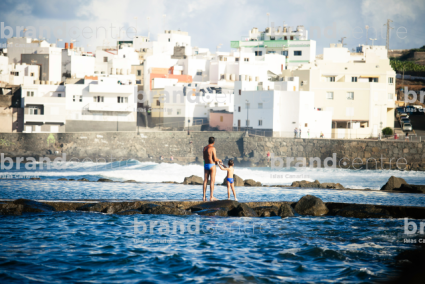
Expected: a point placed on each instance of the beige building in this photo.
(358, 88)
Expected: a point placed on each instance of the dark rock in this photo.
(267, 211)
(220, 204)
(213, 212)
(62, 179)
(251, 182)
(306, 184)
(332, 185)
(193, 180)
(109, 207)
(393, 183)
(150, 208)
(35, 178)
(71, 179)
(11, 209)
(236, 179)
(130, 181)
(83, 179)
(242, 210)
(286, 210)
(104, 180)
(311, 205)
(32, 206)
(412, 188)
(362, 211)
(129, 212)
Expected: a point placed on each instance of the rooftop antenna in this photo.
(136, 25)
(388, 24)
(342, 41)
(367, 29)
(373, 40)
(268, 17)
(149, 33)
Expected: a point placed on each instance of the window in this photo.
(272, 38)
(373, 80)
(239, 109)
(169, 40)
(284, 53)
(123, 56)
(221, 118)
(81, 99)
(330, 95)
(237, 59)
(179, 111)
(139, 72)
(240, 92)
(122, 100)
(330, 79)
(292, 38)
(258, 53)
(222, 77)
(350, 96)
(246, 59)
(354, 79)
(391, 80)
(30, 94)
(34, 110)
(285, 38)
(96, 99)
(390, 96)
(105, 59)
(32, 74)
(271, 52)
(260, 105)
(198, 73)
(297, 52)
(260, 122)
(16, 73)
(59, 95)
(158, 103)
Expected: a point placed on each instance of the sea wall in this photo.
(249, 151)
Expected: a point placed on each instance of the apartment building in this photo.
(291, 43)
(23, 74)
(76, 63)
(276, 108)
(358, 88)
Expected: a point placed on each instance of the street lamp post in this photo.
(188, 127)
(247, 114)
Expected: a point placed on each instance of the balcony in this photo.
(44, 100)
(111, 89)
(44, 118)
(124, 107)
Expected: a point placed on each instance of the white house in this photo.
(358, 88)
(23, 74)
(291, 43)
(276, 108)
(76, 63)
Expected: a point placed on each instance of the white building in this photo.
(4, 69)
(99, 104)
(165, 43)
(276, 108)
(115, 61)
(23, 74)
(44, 108)
(76, 63)
(358, 88)
(292, 43)
(16, 46)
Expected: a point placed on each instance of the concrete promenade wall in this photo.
(249, 151)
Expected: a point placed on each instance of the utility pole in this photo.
(388, 33)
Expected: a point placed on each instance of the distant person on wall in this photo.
(308, 133)
(321, 135)
(161, 158)
(268, 156)
(210, 159)
(299, 133)
(230, 181)
(295, 132)
(407, 137)
(171, 158)
(395, 136)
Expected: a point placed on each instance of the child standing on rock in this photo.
(230, 181)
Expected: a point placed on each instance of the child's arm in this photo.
(221, 167)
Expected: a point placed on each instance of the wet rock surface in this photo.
(286, 210)
(393, 183)
(251, 182)
(267, 211)
(162, 209)
(242, 210)
(311, 205)
(33, 206)
(11, 209)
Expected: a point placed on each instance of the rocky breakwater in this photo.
(308, 205)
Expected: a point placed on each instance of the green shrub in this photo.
(387, 131)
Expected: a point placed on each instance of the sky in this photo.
(213, 22)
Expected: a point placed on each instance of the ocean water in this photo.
(65, 247)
